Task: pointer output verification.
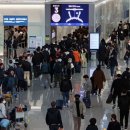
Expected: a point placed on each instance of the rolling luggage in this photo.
(59, 104)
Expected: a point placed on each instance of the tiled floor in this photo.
(38, 99)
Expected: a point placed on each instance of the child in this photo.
(92, 125)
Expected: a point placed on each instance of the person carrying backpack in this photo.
(53, 117)
(45, 70)
(65, 88)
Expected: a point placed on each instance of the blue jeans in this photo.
(65, 97)
(88, 97)
(112, 70)
(54, 127)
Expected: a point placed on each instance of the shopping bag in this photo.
(109, 99)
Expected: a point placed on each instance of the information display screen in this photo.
(69, 14)
(15, 20)
(94, 41)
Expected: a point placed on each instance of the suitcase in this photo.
(59, 104)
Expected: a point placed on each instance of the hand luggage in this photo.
(109, 99)
(59, 104)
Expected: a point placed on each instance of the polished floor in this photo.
(38, 100)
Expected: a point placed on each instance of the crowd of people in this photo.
(57, 62)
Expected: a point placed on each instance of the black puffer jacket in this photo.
(53, 116)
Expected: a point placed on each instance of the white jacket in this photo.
(2, 110)
(74, 111)
(87, 85)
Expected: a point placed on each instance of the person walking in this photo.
(114, 124)
(98, 79)
(78, 110)
(87, 85)
(65, 88)
(53, 117)
(124, 105)
(92, 125)
(116, 89)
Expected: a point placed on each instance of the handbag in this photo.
(82, 116)
(109, 99)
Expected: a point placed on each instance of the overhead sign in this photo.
(69, 15)
(15, 20)
(94, 41)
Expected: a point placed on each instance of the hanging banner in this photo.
(15, 20)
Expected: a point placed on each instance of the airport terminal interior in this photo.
(58, 28)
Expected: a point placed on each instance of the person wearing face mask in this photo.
(78, 110)
(114, 124)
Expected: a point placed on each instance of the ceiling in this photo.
(41, 1)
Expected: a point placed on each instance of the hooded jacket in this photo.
(53, 117)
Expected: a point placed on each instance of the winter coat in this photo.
(37, 59)
(102, 52)
(124, 103)
(87, 85)
(74, 110)
(92, 127)
(19, 73)
(26, 66)
(99, 78)
(116, 86)
(114, 126)
(66, 85)
(53, 116)
(113, 62)
(77, 56)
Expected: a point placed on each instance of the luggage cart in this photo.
(19, 122)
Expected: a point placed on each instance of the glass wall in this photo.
(108, 14)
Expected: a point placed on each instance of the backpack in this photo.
(58, 67)
(45, 68)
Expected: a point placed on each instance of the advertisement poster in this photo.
(39, 42)
(15, 34)
(32, 42)
(94, 41)
(69, 15)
